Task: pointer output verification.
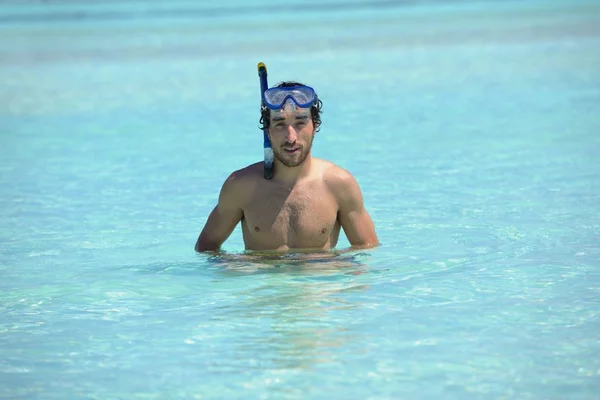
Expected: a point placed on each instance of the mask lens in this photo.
(303, 96)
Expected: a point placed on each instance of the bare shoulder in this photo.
(245, 176)
(339, 180)
(242, 181)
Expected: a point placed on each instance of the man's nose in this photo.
(292, 135)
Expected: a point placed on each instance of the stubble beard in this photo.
(292, 162)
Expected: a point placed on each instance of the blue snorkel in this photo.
(262, 74)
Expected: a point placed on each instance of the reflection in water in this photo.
(298, 314)
(314, 262)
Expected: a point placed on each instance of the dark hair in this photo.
(315, 109)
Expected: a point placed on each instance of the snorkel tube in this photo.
(262, 74)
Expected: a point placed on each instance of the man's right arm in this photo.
(224, 217)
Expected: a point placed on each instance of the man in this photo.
(307, 200)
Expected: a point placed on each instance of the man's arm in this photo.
(354, 218)
(223, 219)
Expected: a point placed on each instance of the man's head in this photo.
(292, 116)
(315, 109)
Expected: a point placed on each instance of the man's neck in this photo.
(292, 174)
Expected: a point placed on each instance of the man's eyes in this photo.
(302, 123)
(281, 125)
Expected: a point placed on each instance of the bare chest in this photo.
(305, 218)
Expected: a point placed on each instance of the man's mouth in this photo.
(291, 150)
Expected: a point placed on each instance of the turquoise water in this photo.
(472, 128)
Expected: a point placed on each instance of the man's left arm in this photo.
(352, 214)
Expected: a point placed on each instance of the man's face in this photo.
(291, 132)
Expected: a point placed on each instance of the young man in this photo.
(308, 199)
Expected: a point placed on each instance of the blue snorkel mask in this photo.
(276, 97)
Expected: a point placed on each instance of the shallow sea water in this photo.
(470, 126)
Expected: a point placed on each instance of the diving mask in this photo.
(276, 97)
